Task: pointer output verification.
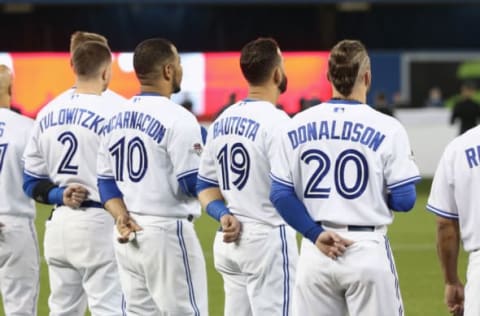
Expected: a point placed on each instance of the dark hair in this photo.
(344, 63)
(258, 59)
(89, 57)
(149, 56)
(80, 37)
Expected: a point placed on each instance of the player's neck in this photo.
(5, 101)
(262, 93)
(88, 87)
(157, 89)
(359, 96)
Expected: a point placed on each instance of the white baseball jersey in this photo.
(240, 146)
(455, 186)
(55, 151)
(342, 157)
(147, 148)
(15, 132)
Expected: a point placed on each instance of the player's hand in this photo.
(331, 244)
(126, 227)
(74, 195)
(454, 298)
(231, 228)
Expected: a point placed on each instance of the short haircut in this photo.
(89, 57)
(150, 56)
(80, 37)
(258, 59)
(346, 60)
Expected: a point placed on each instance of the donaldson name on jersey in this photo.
(348, 131)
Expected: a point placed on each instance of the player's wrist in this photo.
(217, 209)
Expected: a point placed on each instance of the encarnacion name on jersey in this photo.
(326, 130)
(236, 125)
(73, 116)
(135, 120)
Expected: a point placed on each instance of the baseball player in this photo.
(76, 39)
(341, 168)
(147, 170)
(60, 169)
(453, 198)
(19, 257)
(255, 252)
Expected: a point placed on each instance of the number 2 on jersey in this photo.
(66, 167)
(236, 161)
(137, 160)
(3, 151)
(314, 189)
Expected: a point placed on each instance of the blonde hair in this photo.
(80, 37)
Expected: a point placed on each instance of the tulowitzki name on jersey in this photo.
(341, 130)
(73, 116)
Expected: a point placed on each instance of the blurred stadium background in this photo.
(421, 52)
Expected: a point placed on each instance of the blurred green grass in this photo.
(412, 237)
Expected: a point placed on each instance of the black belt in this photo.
(90, 203)
(357, 228)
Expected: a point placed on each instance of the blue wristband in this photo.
(217, 209)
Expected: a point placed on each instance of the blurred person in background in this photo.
(434, 98)
(466, 109)
(19, 256)
(381, 104)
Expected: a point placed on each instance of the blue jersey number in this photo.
(236, 161)
(314, 189)
(69, 140)
(3, 151)
(136, 159)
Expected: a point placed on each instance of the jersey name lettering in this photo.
(236, 125)
(325, 130)
(73, 116)
(136, 120)
(473, 156)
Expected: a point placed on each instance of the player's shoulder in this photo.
(468, 139)
(19, 120)
(113, 96)
(59, 100)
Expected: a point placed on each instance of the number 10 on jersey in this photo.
(133, 154)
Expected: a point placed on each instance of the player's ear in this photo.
(328, 77)
(168, 71)
(367, 78)
(277, 75)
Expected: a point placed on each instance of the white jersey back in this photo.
(146, 149)
(237, 158)
(455, 186)
(342, 157)
(65, 140)
(15, 132)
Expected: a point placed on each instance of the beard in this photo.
(282, 86)
(176, 84)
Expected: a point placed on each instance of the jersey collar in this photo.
(344, 101)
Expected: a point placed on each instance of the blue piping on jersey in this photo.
(405, 181)
(150, 94)
(442, 213)
(395, 276)
(344, 101)
(273, 177)
(286, 271)
(183, 248)
(294, 211)
(211, 181)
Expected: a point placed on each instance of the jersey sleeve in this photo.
(272, 137)
(207, 171)
(280, 168)
(441, 200)
(104, 168)
(400, 166)
(33, 157)
(185, 146)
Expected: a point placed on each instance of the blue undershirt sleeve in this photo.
(293, 211)
(42, 190)
(402, 198)
(108, 189)
(188, 184)
(202, 185)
